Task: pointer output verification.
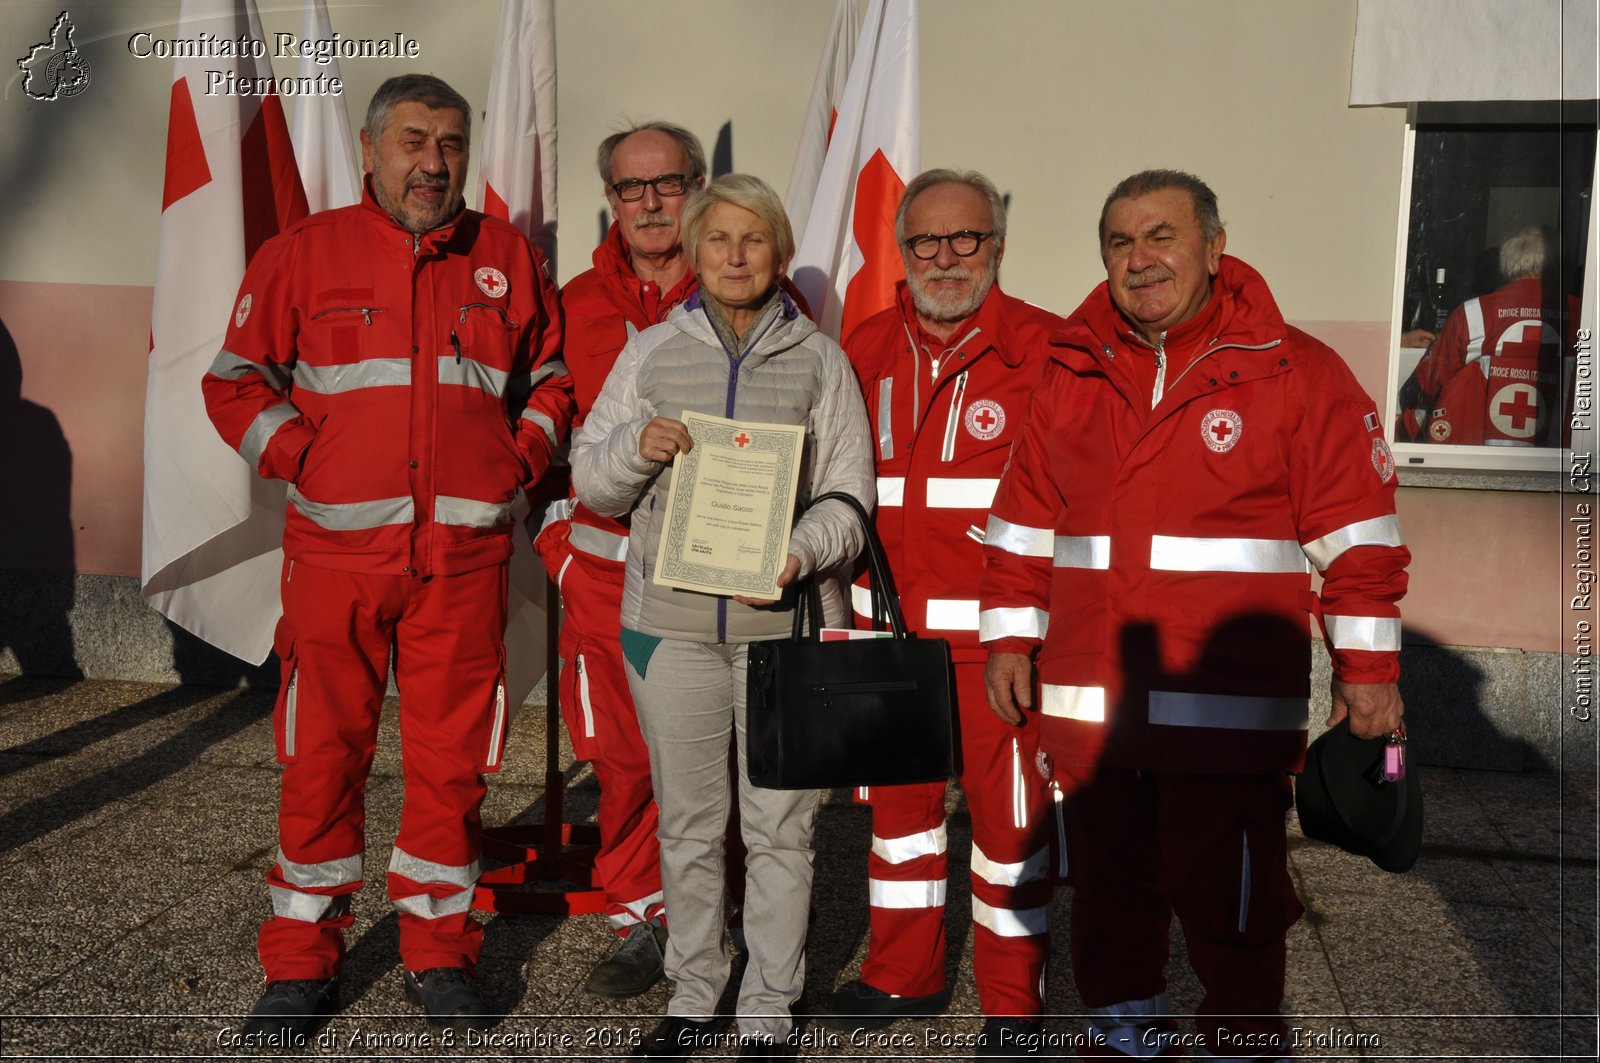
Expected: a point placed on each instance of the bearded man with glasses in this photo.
(947, 372)
(640, 273)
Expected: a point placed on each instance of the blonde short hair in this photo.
(741, 190)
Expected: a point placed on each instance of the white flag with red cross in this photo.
(517, 167)
(827, 91)
(212, 527)
(323, 144)
(847, 263)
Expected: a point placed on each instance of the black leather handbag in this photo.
(857, 712)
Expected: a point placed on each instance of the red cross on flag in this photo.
(212, 528)
(827, 92)
(517, 172)
(847, 263)
(323, 143)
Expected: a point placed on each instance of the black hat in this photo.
(1342, 799)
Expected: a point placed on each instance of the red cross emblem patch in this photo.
(1439, 430)
(243, 311)
(985, 419)
(1221, 430)
(1383, 459)
(491, 281)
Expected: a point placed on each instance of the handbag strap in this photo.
(885, 600)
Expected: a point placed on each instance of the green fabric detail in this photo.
(638, 648)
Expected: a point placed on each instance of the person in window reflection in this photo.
(1493, 376)
(1186, 454)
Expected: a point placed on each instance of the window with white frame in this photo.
(1496, 233)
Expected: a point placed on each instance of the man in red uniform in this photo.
(1186, 454)
(397, 362)
(1493, 377)
(640, 273)
(947, 372)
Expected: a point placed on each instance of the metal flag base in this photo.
(548, 852)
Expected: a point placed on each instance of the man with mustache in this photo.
(397, 362)
(1188, 456)
(946, 373)
(639, 274)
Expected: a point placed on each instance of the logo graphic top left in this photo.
(55, 69)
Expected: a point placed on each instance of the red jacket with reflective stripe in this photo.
(1162, 553)
(599, 306)
(942, 435)
(406, 386)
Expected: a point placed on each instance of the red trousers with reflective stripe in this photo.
(1210, 848)
(1006, 800)
(338, 634)
(604, 726)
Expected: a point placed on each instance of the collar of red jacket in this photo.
(989, 320)
(1246, 315)
(612, 260)
(431, 239)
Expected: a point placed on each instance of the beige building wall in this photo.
(1055, 100)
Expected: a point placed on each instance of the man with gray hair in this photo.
(396, 362)
(1493, 376)
(1187, 457)
(640, 273)
(946, 373)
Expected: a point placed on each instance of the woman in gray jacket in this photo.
(738, 349)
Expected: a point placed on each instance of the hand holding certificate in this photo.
(731, 507)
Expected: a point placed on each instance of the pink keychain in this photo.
(1394, 755)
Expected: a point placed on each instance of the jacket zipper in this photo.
(366, 312)
(583, 699)
(953, 418)
(291, 712)
(734, 361)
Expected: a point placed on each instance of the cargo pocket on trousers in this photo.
(498, 720)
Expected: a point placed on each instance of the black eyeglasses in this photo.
(668, 184)
(964, 243)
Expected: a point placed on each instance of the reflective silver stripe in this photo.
(1011, 922)
(1379, 531)
(1019, 790)
(546, 425)
(997, 874)
(263, 428)
(886, 419)
(354, 516)
(427, 906)
(1472, 310)
(230, 366)
(554, 367)
(951, 492)
(1233, 712)
(324, 874)
(952, 614)
(599, 542)
(1082, 551)
(1378, 633)
(1176, 553)
(635, 911)
(861, 599)
(470, 513)
(471, 373)
(497, 727)
(425, 872)
(1133, 1012)
(1018, 539)
(353, 376)
(1073, 703)
(910, 846)
(292, 904)
(891, 490)
(1020, 622)
(923, 893)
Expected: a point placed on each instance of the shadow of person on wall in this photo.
(37, 553)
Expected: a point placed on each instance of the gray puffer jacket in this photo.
(790, 374)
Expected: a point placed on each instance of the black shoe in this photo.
(634, 967)
(859, 1006)
(290, 1010)
(767, 1048)
(1010, 1038)
(676, 1038)
(450, 998)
